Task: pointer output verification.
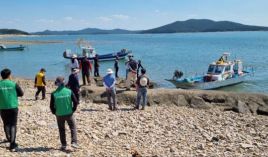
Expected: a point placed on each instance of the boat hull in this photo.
(106, 57)
(208, 85)
(21, 48)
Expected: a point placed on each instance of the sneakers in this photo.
(13, 147)
(75, 145)
(143, 108)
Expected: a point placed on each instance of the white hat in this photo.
(74, 56)
(143, 81)
(109, 71)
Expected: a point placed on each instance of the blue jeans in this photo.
(111, 97)
(142, 93)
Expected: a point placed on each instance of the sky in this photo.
(40, 15)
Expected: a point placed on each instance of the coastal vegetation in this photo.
(13, 31)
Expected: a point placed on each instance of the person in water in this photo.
(40, 84)
(63, 104)
(9, 93)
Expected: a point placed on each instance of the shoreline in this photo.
(5, 39)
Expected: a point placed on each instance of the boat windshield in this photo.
(219, 69)
(211, 68)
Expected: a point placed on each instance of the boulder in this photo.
(197, 102)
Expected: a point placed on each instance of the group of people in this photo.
(65, 99)
(63, 104)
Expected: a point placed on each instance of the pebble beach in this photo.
(157, 131)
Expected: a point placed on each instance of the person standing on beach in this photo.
(9, 93)
(74, 62)
(86, 69)
(73, 83)
(116, 67)
(132, 74)
(126, 65)
(63, 104)
(40, 84)
(96, 66)
(142, 84)
(109, 83)
(139, 67)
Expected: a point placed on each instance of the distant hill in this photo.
(12, 31)
(204, 25)
(192, 25)
(85, 31)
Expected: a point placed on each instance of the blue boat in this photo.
(4, 48)
(90, 53)
(221, 73)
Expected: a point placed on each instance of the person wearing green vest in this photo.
(63, 104)
(9, 93)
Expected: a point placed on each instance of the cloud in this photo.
(68, 18)
(105, 19)
(120, 16)
(45, 21)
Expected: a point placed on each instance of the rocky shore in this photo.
(177, 123)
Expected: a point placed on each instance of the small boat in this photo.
(90, 53)
(221, 73)
(4, 48)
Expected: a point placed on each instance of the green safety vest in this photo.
(63, 101)
(8, 95)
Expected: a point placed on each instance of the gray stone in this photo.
(242, 107)
(197, 102)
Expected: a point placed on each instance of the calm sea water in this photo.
(161, 54)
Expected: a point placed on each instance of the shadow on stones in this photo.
(126, 109)
(90, 110)
(37, 149)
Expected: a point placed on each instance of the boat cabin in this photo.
(223, 69)
(89, 51)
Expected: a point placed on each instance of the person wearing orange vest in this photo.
(9, 93)
(40, 84)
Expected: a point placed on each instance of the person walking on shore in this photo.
(96, 66)
(9, 93)
(40, 84)
(86, 69)
(109, 83)
(63, 104)
(116, 67)
(73, 83)
(132, 74)
(142, 84)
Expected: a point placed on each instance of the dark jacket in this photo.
(73, 83)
